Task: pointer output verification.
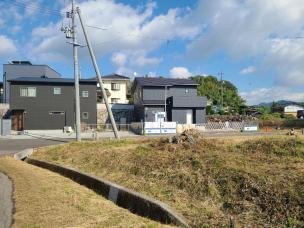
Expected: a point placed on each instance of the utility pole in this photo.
(98, 75)
(222, 92)
(76, 73)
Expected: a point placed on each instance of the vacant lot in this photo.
(45, 199)
(247, 182)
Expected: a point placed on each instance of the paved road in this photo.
(6, 204)
(12, 146)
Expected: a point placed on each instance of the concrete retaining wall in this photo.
(123, 197)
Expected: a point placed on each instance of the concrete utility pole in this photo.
(98, 75)
(76, 73)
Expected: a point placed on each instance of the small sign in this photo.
(251, 128)
(160, 128)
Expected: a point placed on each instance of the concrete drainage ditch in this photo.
(133, 201)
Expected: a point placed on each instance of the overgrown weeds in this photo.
(212, 183)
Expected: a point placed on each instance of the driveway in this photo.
(12, 146)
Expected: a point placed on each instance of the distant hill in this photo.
(281, 103)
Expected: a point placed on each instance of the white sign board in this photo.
(251, 128)
(160, 128)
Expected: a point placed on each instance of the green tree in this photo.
(211, 87)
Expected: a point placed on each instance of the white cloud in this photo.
(179, 72)
(129, 30)
(276, 93)
(248, 70)
(7, 46)
(119, 59)
(257, 29)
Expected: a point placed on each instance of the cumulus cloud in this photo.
(248, 70)
(128, 30)
(7, 46)
(180, 72)
(119, 59)
(255, 29)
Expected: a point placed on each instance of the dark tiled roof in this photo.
(50, 80)
(115, 77)
(163, 81)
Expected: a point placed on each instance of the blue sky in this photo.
(254, 42)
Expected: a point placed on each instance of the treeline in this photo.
(219, 92)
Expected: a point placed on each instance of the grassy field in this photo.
(247, 182)
(45, 199)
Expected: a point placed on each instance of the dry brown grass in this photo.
(45, 199)
(257, 182)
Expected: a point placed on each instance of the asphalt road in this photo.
(12, 146)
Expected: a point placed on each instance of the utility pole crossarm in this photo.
(98, 74)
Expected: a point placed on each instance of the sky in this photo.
(257, 44)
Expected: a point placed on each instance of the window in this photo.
(114, 100)
(85, 115)
(57, 91)
(57, 113)
(85, 93)
(28, 91)
(115, 86)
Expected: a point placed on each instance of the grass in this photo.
(247, 182)
(45, 199)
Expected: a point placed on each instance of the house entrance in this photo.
(189, 116)
(17, 120)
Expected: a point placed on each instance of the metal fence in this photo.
(225, 126)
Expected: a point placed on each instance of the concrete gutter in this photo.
(6, 202)
(135, 202)
(24, 154)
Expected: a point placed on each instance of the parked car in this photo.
(300, 114)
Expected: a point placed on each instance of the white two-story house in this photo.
(116, 87)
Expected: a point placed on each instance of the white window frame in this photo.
(27, 91)
(115, 86)
(83, 116)
(85, 93)
(57, 89)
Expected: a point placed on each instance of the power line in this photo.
(38, 9)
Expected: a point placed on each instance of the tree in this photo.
(211, 87)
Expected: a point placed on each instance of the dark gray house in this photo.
(175, 97)
(48, 103)
(17, 69)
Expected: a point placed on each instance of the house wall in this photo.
(180, 115)
(149, 112)
(158, 93)
(200, 115)
(13, 71)
(121, 93)
(38, 108)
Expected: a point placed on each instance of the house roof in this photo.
(144, 81)
(50, 80)
(115, 77)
